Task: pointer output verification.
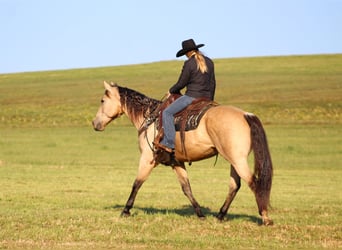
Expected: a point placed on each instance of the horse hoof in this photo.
(125, 214)
(202, 217)
(220, 217)
(267, 222)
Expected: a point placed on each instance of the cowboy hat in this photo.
(187, 46)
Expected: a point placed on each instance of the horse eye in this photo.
(102, 101)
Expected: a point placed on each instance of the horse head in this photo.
(110, 107)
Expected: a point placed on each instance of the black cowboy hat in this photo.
(187, 46)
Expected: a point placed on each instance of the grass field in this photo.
(63, 186)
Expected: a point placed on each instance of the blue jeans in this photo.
(168, 119)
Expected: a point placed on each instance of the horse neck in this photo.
(136, 106)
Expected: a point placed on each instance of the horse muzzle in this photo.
(98, 126)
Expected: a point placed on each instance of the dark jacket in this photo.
(197, 84)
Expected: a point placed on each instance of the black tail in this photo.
(263, 169)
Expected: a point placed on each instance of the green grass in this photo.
(63, 186)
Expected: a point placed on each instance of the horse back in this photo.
(225, 119)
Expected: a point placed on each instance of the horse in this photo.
(224, 130)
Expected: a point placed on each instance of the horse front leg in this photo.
(145, 169)
(234, 186)
(129, 204)
(185, 184)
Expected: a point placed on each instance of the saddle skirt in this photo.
(189, 118)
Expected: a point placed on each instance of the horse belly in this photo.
(198, 145)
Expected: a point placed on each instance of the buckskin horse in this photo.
(224, 130)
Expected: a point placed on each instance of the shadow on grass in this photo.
(189, 211)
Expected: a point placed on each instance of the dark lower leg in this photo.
(129, 204)
(234, 186)
(185, 184)
(188, 193)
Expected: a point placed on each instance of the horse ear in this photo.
(113, 84)
(107, 86)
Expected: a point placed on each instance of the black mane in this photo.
(137, 104)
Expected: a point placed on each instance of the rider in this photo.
(198, 77)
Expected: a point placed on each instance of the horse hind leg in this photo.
(185, 184)
(262, 205)
(234, 186)
(240, 170)
(244, 172)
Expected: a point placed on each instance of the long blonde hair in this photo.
(201, 64)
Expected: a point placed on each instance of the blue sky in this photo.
(41, 35)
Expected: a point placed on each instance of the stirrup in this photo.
(165, 158)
